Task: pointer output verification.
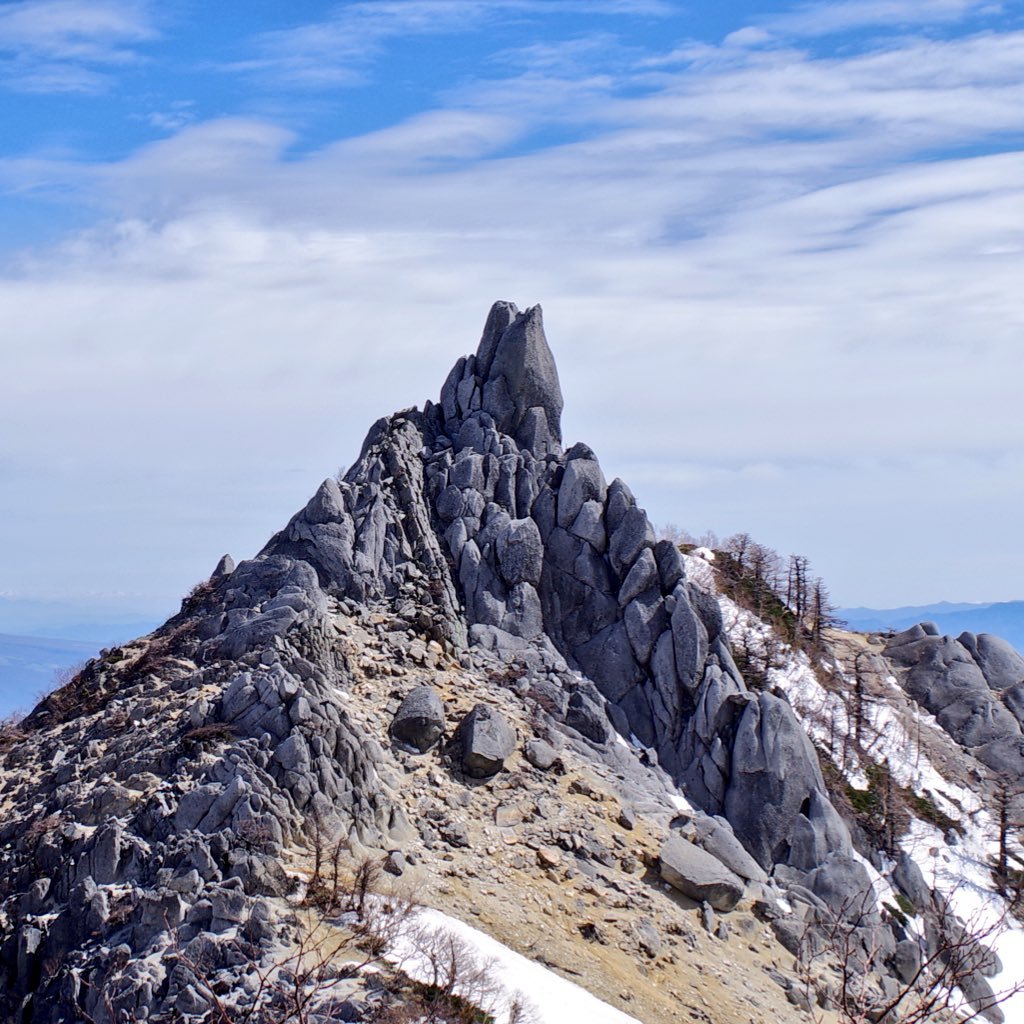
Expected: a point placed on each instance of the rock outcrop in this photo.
(972, 685)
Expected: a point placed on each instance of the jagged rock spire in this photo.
(512, 378)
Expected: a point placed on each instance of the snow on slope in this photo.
(551, 998)
(959, 871)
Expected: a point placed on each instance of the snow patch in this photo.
(554, 999)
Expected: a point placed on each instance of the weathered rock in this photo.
(419, 721)
(587, 718)
(717, 837)
(486, 740)
(540, 754)
(520, 552)
(907, 960)
(699, 875)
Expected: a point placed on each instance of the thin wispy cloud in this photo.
(836, 16)
(340, 49)
(70, 45)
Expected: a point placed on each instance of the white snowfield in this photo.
(551, 998)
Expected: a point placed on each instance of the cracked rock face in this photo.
(161, 789)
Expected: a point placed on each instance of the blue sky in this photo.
(779, 248)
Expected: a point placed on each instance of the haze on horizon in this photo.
(779, 248)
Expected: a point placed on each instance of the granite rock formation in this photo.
(181, 769)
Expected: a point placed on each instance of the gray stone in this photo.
(907, 960)
(907, 875)
(646, 622)
(647, 937)
(609, 661)
(633, 534)
(844, 885)
(774, 776)
(194, 805)
(327, 505)
(619, 500)
(587, 718)
(699, 875)
(520, 552)
(717, 837)
(582, 481)
(670, 565)
(225, 567)
(293, 753)
(641, 577)
(1000, 663)
(944, 677)
(419, 721)
(589, 525)
(540, 753)
(486, 739)
(395, 863)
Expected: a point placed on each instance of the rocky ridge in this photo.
(470, 655)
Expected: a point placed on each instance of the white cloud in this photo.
(69, 45)
(770, 311)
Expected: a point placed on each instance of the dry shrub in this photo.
(206, 737)
(11, 733)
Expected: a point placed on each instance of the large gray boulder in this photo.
(776, 790)
(487, 740)
(716, 836)
(695, 873)
(419, 721)
(520, 552)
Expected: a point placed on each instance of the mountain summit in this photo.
(472, 642)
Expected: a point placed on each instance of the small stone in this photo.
(540, 754)
(548, 858)
(395, 863)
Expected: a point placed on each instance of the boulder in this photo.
(419, 722)
(582, 481)
(487, 740)
(587, 718)
(520, 552)
(695, 873)
(717, 837)
(521, 375)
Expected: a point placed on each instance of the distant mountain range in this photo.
(1005, 619)
(38, 639)
(29, 665)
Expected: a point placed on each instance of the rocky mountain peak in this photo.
(467, 600)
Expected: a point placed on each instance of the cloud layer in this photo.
(781, 286)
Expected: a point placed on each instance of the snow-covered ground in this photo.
(551, 999)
